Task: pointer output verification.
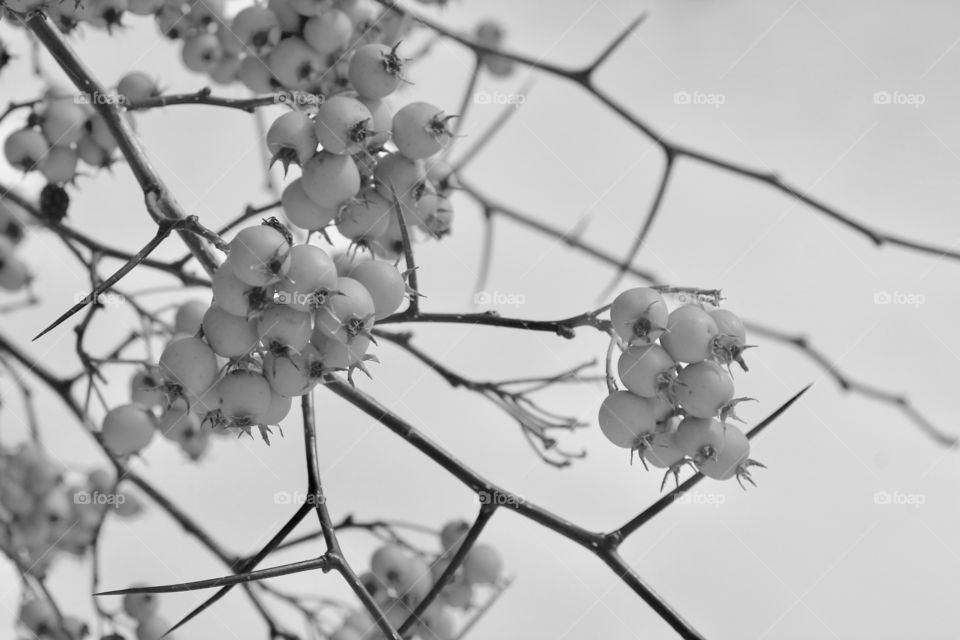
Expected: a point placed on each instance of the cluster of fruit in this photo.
(283, 316)
(14, 272)
(45, 513)
(361, 160)
(679, 392)
(60, 132)
(399, 579)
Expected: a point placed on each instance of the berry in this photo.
(295, 63)
(245, 398)
(202, 53)
(335, 354)
(302, 211)
(287, 374)
(127, 429)
(255, 29)
(375, 71)
(229, 336)
(348, 314)
(452, 534)
(146, 388)
(188, 365)
(703, 389)
(177, 422)
(330, 180)
(38, 615)
(311, 279)
(153, 628)
(733, 460)
(483, 565)
(342, 125)
(420, 130)
(235, 296)
(291, 139)
(690, 333)
(398, 176)
(62, 123)
(54, 202)
(279, 408)
(285, 326)
(646, 369)
(627, 420)
(140, 606)
(700, 438)
(366, 218)
(328, 32)
(136, 85)
(384, 283)
(259, 255)
(25, 148)
(189, 317)
(59, 165)
(382, 113)
(639, 315)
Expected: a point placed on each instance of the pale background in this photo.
(806, 555)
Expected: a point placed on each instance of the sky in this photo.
(798, 88)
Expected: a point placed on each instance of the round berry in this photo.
(348, 314)
(483, 565)
(639, 315)
(302, 211)
(141, 606)
(626, 419)
(420, 130)
(229, 336)
(259, 255)
(384, 283)
(330, 180)
(25, 148)
(310, 280)
(127, 429)
(342, 125)
(375, 71)
(690, 334)
(646, 369)
(703, 388)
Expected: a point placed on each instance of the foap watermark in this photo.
(899, 98)
(298, 498)
(899, 498)
(298, 98)
(498, 498)
(700, 498)
(699, 99)
(500, 98)
(104, 298)
(499, 299)
(98, 498)
(899, 298)
(100, 97)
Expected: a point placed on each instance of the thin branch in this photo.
(204, 96)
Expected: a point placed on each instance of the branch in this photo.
(203, 96)
(150, 182)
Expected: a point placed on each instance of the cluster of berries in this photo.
(679, 388)
(399, 579)
(46, 513)
(283, 317)
(361, 160)
(61, 131)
